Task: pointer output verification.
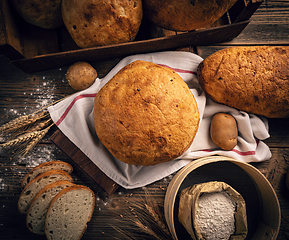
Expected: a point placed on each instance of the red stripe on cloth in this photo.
(233, 150)
(247, 153)
(179, 70)
(60, 120)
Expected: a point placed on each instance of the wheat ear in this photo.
(35, 140)
(20, 139)
(21, 122)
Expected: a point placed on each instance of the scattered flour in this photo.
(39, 155)
(215, 215)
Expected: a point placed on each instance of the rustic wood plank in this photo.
(194, 38)
(10, 43)
(83, 163)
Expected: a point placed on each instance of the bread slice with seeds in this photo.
(33, 187)
(44, 167)
(37, 211)
(69, 212)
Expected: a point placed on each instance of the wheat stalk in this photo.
(143, 215)
(20, 139)
(40, 134)
(22, 121)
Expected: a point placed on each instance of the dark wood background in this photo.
(22, 93)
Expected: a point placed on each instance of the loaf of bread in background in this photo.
(94, 23)
(146, 114)
(254, 79)
(185, 15)
(43, 14)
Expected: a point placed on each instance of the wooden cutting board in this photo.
(81, 162)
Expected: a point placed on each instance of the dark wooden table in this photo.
(22, 93)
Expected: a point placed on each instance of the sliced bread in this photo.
(69, 212)
(33, 187)
(44, 167)
(37, 211)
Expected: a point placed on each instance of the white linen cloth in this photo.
(74, 117)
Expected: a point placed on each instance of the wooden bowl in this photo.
(262, 205)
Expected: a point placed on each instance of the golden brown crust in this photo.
(81, 75)
(252, 79)
(94, 23)
(185, 15)
(44, 14)
(146, 114)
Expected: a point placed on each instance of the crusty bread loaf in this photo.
(69, 212)
(44, 14)
(146, 114)
(94, 23)
(44, 167)
(33, 187)
(37, 211)
(185, 15)
(254, 79)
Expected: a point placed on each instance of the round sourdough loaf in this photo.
(254, 79)
(185, 15)
(146, 114)
(94, 23)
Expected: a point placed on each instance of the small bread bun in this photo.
(81, 75)
(224, 131)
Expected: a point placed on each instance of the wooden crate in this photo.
(32, 49)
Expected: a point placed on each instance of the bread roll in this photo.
(146, 114)
(254, 79)
(94, 23)
(185, 15)
(44, 14)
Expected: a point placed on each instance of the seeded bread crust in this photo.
(252, 79)
(146, 114)
(44, 167)
(36, 215)
(32, 188)
(69, 212)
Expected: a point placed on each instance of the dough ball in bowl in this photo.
(81, 75)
